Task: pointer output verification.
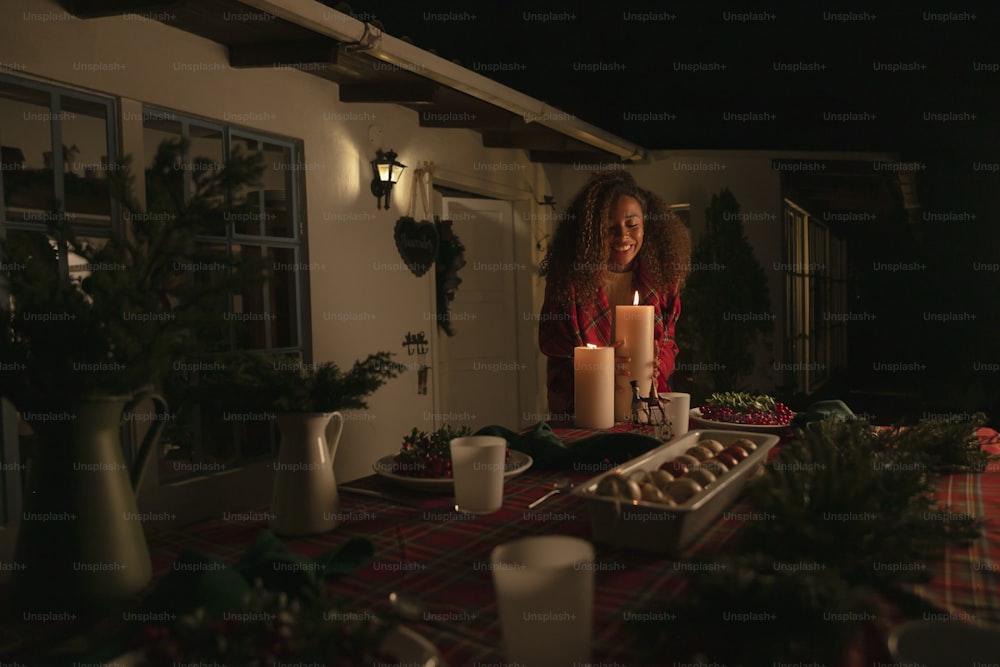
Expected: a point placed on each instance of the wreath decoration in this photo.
(448, 252)
(450, 258)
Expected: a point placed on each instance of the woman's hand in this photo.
(621, 362)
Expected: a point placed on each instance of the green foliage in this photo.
(450, 259)
(943, 445)
(746, 612)
(857, 502)
(271, 629)
(140, 308)
(739, 288)
(742, 401)
(429, 454)
(272, 605)
(283, 383)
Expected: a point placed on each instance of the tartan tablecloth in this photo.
(428, 550)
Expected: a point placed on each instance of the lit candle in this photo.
(594, 386)
(634, 326)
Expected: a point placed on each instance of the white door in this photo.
(479, 369)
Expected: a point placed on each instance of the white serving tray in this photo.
(648, 526)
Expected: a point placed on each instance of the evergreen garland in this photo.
(450, 258)
(846, 520)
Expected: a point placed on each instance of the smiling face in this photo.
(624, 233)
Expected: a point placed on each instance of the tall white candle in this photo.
(634, 326)
(594, 386)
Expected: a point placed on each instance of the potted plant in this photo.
(89, 331)
(306, 400)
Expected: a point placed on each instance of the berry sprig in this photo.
(428, 455)
(744, 408)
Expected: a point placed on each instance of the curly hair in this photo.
(578, 254)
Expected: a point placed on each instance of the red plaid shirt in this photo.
(560, 331)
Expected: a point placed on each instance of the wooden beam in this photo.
(287, 53)
(575, 157)
(478, 119)
(87, 9)
(535, 140)
(390, 93)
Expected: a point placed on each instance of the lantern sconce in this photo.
(385, 174)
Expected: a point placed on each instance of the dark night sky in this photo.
(941, 108)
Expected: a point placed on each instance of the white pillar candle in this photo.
(594, 386)
(634, 326)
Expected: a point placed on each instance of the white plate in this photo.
(735, 426)
(944, 644)
(516, 464)
(411, 649)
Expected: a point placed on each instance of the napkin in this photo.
(821, 411)
(198, 579)
(550, 453)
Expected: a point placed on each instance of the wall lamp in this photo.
(385, 174)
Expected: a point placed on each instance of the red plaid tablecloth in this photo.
(444, 558)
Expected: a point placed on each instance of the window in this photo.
(211, 432)
(682, 211)
(57, 148)
(815, 301)
(54, 149)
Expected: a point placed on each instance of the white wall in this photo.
(362, 299)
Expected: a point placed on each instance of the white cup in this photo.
(678, 411)
(477, 468)
(545, 596)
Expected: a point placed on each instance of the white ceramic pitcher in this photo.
(305, 500)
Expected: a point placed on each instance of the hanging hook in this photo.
(548, 200)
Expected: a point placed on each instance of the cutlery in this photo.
(412, 609)
(560, 485)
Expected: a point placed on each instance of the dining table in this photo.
(427, 551)
(424, 550)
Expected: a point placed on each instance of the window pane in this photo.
(254, 437)
(26, 149)
(278, 171)
(252, 211)
(79, 268)
(205, 156)
(249, 317)
(164, 189)
(281, 291)
(85, 159)
(210, 276)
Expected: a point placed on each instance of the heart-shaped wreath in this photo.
(417, 243)
(424, 243)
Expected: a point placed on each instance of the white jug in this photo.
(305, 500)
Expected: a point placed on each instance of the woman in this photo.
(617, 238)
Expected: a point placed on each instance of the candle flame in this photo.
(635, 301)
(591, 346)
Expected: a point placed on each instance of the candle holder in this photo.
(661, 426)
